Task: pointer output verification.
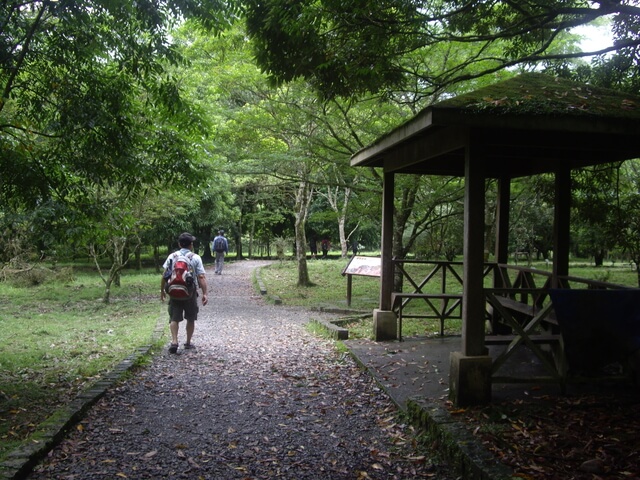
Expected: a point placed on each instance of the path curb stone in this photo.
(462, 449)
(263, 290)
(334, 331)
(470, 459)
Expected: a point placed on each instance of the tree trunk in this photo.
(118, 246)
(156, 258)
(344, 245)
(106, 298)
(138, 258)
(340, 209)
(303, 199)
(402, 214)
(490, 228)
(252, 233)
(207, 256)
(342, 219)
(238, 240)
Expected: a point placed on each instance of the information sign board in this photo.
(365, 266)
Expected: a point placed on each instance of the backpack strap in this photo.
(193, 268)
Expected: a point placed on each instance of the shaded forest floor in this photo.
(590, 436)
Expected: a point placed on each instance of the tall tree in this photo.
(595, 205)
(83, 85)
(282, 136)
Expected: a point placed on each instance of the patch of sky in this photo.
(595, 36)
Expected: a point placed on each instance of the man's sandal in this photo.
(173, 348)
(188, 346)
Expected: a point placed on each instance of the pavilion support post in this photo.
(385, 321)
(502, 222)
(470, 370)
(502, 245)
(561, 222)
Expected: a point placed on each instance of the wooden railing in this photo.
(517, 305)
(438, 284)
(442, 303)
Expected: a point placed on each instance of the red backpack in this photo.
(180, 277)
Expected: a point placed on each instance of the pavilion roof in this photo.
(529, 124)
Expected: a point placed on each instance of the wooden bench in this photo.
(593, 329)
(399, 300)
(526, 309)
(507, 339)
(547, 346)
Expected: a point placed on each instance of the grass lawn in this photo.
(329, 287)
(58, 337)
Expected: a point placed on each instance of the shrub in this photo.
(33, 275)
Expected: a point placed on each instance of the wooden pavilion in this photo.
(523, 126)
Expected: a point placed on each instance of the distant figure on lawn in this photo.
(325, 245)
(313, 246)
(185, 308)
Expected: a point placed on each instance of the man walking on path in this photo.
(186, 309)
(260, 398)
(221, 248)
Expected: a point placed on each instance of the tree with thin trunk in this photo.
(115, 250)
(303, 199)
(338, 198)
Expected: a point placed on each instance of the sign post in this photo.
(364, 266)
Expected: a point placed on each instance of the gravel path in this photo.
(258, 398)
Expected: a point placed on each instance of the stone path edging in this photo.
(459, 445)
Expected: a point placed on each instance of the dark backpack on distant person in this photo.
(218, 244)
(180, 277)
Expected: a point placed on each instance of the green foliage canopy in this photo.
(87, 98)
(352, 47)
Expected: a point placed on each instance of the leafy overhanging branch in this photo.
(344, 48)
